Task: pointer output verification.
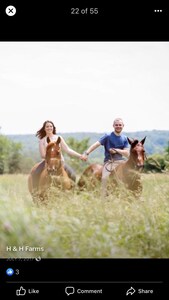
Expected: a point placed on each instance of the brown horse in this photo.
(53, 173)
(91, 177)
(126, 173)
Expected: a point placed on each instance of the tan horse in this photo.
(53, 173)
(126, 173)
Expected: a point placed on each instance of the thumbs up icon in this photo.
(21, 291)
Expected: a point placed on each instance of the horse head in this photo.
(137, 153)
(53, 157)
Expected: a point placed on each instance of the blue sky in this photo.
(83, 86)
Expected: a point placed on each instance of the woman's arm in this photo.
(68, 150)
(42, 149)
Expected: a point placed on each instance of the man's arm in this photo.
(91, 148)
(124, 152)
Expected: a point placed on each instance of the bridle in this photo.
(55, 167)
(53, 171)
(134, 161)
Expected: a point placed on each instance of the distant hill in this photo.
(156, 141)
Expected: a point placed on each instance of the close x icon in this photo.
(10, 10)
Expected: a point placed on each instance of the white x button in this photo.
(10, 10)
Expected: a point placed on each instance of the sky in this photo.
(83, 86)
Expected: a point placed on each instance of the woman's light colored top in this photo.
(43, 144)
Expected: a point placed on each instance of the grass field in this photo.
(82, 225)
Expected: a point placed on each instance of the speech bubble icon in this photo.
(69, 290)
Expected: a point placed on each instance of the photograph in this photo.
(84, 149)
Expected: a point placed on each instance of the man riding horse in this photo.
(116, 149)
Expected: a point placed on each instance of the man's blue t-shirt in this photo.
(113, 141)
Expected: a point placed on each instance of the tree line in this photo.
(14, 160)
(10, 155)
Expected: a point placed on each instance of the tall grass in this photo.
(77, 224)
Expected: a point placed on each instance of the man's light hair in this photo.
(118, 119)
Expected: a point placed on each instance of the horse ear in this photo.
(143, 140)
(48, 140)
(58, 140)
(129, 140)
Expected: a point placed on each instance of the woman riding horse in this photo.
(46, 134)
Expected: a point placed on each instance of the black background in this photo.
(114, 276)
(53, 21)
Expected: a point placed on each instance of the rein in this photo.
(109, 162)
